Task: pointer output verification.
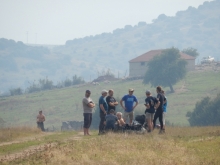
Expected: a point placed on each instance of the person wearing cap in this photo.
(159, 109)
(111, 119)
(40, 120)
(112, 103)
(129, 106)
(88, 106)
(103, 107)
(150, 103)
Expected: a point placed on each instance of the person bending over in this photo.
(111, 119)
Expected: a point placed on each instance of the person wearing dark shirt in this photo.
(103, 107)
(159, 109)
(111, 119)
(112, 103)
(150, 103)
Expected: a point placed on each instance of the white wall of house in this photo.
(190, 65)
(139, 68)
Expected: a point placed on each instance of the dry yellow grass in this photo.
(12, 133)
(180, 145)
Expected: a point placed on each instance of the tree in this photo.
(16, 91)
(191, 51)
(166, 69)
(206, 112)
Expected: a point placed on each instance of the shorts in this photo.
(164, 114)
(128, 114)
(149, 116)
(87, 120)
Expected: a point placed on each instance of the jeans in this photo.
(101, 124)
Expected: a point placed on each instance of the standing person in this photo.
(103, 107)
(164, 108)
(150, 103)
(40, 121)
(88, 106)
(129, 106)
(112, 103)
(159, 109)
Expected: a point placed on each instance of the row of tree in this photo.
(46, 84)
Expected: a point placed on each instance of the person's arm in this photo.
(136, 103)
(111, 104)
(102, 108)
(122, 121)
(91, 105)
(122, 104)
(157, 105)
(147, 106)
(43, 118)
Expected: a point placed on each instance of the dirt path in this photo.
(33, 149)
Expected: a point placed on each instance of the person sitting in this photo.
(111, 119)
(120, 119)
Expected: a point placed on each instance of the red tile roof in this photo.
(150, 55)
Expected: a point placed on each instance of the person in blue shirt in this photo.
(103, 108)
(129, 106)
(164, 108)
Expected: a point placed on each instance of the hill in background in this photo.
(90, 56)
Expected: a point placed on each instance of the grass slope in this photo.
(65, 104)
(180, 145)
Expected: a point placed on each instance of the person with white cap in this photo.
(129, 106)
(103, 107)
(150, 103)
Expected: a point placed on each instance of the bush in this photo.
(16, 91)
(206, 112)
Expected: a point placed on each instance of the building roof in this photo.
(150, 55)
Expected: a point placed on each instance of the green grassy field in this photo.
(179, 146)
(65, 104)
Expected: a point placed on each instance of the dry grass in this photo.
(178, 146)
(12, 133)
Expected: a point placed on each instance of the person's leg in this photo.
(101, 124)
(151, 121)
(161, 120)
(148, 121)
(164, 114)
(90, 122)
(155, 119)
(125, 117)
(85, 123)
(131, 116)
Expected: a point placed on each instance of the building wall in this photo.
(190, 65)
(139, 68)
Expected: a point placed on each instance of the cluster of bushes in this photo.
(46, 84)
(206, 112)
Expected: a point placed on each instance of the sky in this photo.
(53, 22)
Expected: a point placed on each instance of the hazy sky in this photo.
(56, 21)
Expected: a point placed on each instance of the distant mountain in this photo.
(93, 55)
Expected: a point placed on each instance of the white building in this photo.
(138, 65)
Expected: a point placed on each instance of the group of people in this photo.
(109, 118)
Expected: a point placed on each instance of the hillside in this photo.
(88, 57)
(65, 104)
